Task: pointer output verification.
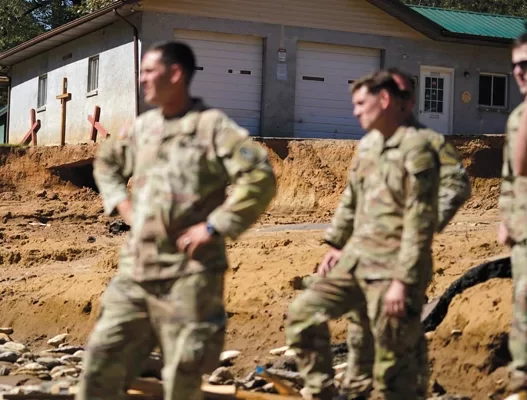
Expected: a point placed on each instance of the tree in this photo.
(504, 7)
(21, 20)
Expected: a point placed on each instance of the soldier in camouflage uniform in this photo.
(384, 227)
(513, 229)
(454, 190)
(169, 288)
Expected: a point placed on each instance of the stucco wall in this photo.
(114, 45)
(279, 96)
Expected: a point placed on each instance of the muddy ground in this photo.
(57, 255)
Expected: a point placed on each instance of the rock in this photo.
(13, 346)
(49, 362)
(229, 355)
(119, 226)
(255, 383)
(5, 388)
(33, 369)
(9, 356)
(429, 335)
(290, 353)
(58, 340)
(7, 331)
(456, 332)
(4, 371)
(63, 371)
(279, 351)
(64, 349)
(4, 337)
(41, 193)
(269, 388)
(221, 376)
(79, 353)
(91, 239)
(71, 359)
(26, 357)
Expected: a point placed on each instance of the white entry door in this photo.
(435, 98)
(229, 74)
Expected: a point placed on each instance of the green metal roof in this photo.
(473, 23)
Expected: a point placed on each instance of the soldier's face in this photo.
(368, 108)
(159, 82)
(519, 62)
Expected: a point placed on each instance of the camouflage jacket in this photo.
(181, 168)
(513, 196)
(388, 213)
(454, 184)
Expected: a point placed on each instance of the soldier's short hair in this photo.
(174, 52)
(380, 80)
(520, 40)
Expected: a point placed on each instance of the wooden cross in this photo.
(64, 97)
(95, 124)
(31, 135)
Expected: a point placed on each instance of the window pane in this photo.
(499, 91)
(440, 95)
(427, 106)
(42, 91)
(434, 94)
(440, 107)
(485, 89)
(93, 73)
(441, 80)
(427, 82)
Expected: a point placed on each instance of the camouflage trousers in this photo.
(518, 332)
(394, 350)
(185, 316)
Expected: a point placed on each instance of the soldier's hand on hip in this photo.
(329, 261)
(193, 238)
(503, 235)
(395, 300)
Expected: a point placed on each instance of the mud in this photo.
(57, 254)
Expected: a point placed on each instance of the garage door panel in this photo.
(326, 103)
(323, 105)
(229, 74)
(236, 87)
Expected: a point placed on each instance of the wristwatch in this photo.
(211, 230)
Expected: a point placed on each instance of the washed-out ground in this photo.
(57, 255)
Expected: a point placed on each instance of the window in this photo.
(434, 90)
(493, 90)
(93, 73)
(42, 91)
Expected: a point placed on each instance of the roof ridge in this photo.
(466, 12)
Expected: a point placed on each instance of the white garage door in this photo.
(229, 74)
(323, 107)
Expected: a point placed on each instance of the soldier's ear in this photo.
(385, 99)
(177, 74)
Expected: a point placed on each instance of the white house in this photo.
(281, 68)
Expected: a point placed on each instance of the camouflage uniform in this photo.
(513, 207)
(454, 190)
(385, 224)
(181, 168)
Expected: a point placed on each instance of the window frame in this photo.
(506, 94)
(89, 88)
(42, 95)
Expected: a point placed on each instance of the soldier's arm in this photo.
(341, 227)
(112, 168)
(520, 149)
(248, 168)
(419, 220)
(454, 184)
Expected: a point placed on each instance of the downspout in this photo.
(8, 117)
(136, 60)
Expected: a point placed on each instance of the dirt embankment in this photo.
(57, 254)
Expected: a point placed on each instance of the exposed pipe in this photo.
(136, 60)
